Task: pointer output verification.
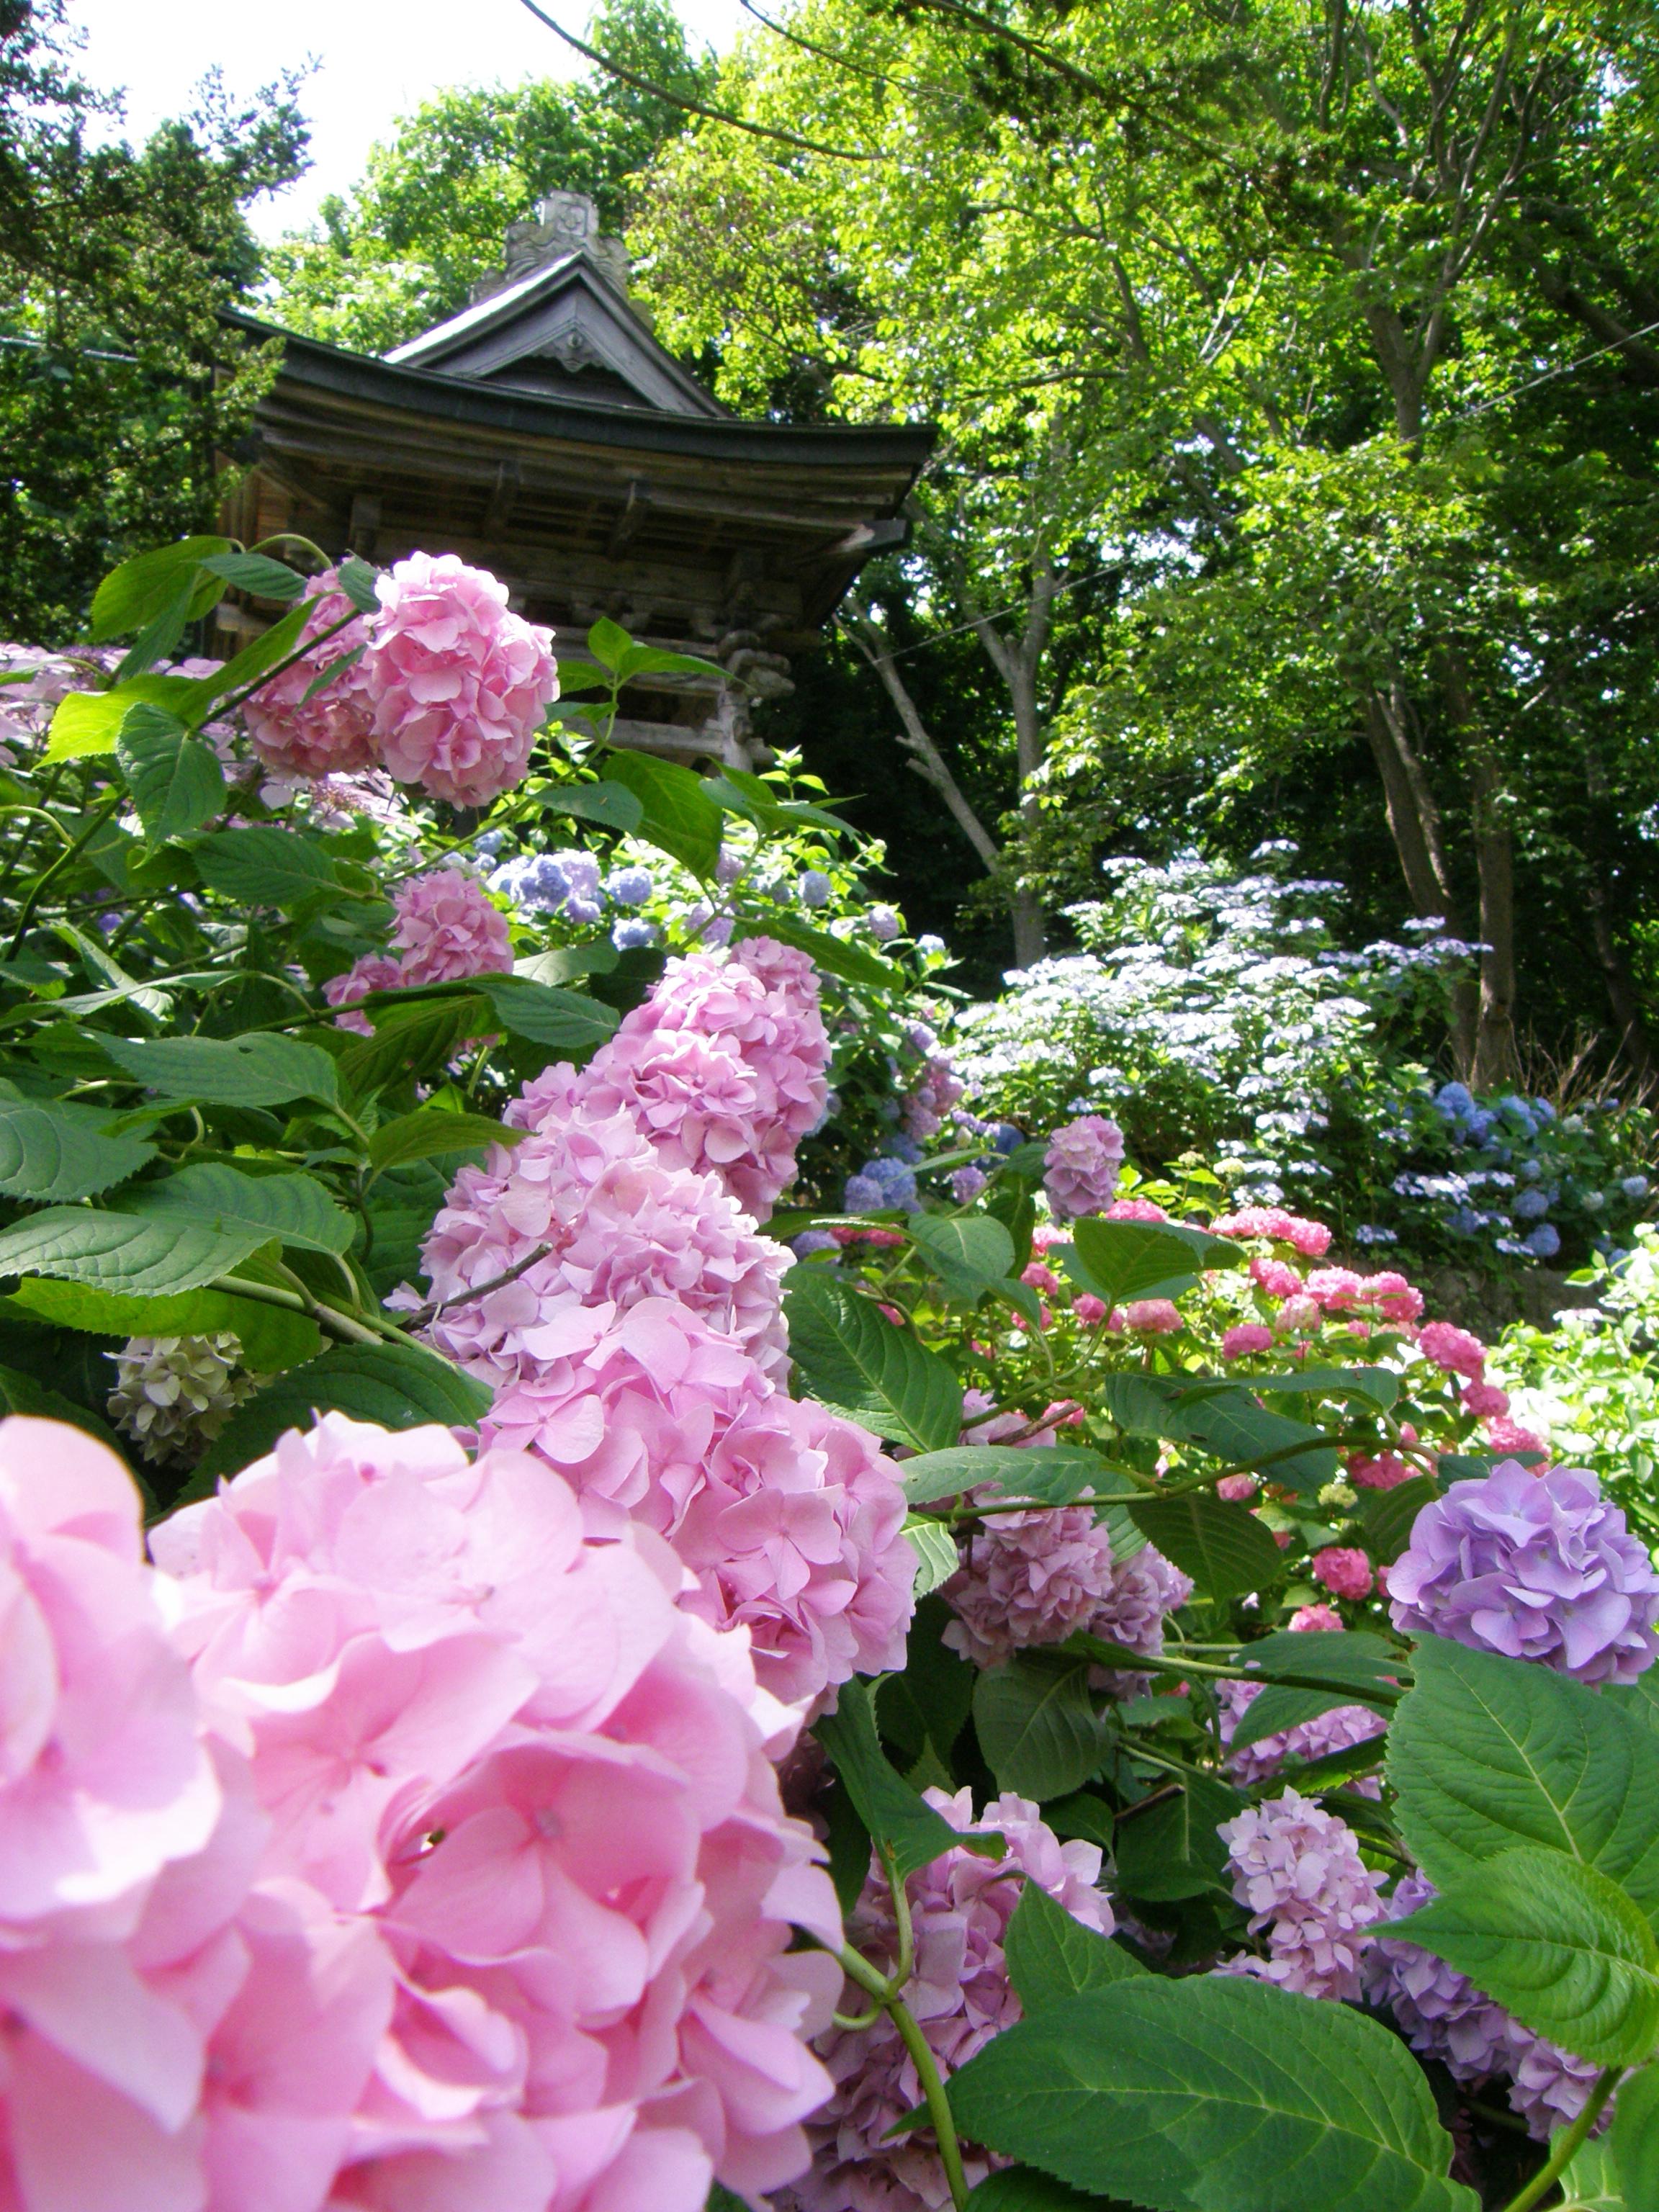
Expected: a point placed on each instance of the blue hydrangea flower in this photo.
(815, 887)
(634, 929)
(630, 886)
(930, 943)
(810, 1241)
(1007, 1138)
(1455, 1101)
(1532, 1205)
(880, 1186)
(1634, 1186)
(552, 882)
(883, 924)
(490, 844)
(1544, 1241)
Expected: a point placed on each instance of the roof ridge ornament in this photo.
(563, 222)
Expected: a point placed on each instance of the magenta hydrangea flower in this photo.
(1029, 1579)
(490, 1752)
(1247, 1337)
(960, 1996)
(618, 1226)
(1299, 1869)
(1536, 1566)
(448, 929)
(459, 684)
(1312, 1239)
(1082, 1165)
(1453, 1349)
(333, 732)
(1344, 1570)
(789, 1519)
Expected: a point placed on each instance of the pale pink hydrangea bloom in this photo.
(1315, 1617)
(1297, 1868)
(460, 685)
(1312, 1239)
(1344, 1569)
(494, 1746)
(960, 1904)
(1031, 1578)
(1300, 1315)
(1153, 1316)
(375, 971)
(1336, 1730)
(1134, 1209)
(1247, 1337)
(621, 1227)
(1453, 1349)
(1082, 1165)
(333, 732)
(788, 1518)
(1398, 1299)
(448, 929)
(1236, 1488)
(1090, 1310)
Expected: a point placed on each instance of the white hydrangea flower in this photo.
(174, 1394)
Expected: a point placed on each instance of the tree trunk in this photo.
(926, 760)
(1495, 1057)
(1633, 1039)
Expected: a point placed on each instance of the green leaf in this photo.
(889, 1808)
(968, 1253)
(677, 814)
(1023, 2189)
(1591, 2184)
(566, 1021)
(412, 1040)
(429, 1133)
(607, 641)
(258, 573)
(87, 722)
(1052, 1956)
(1223, 1419)
(1556, 1943)
(655, 660)
(836, 955)
(260, 1069)
(145, 586)
(612, 806)
(1172, 1850)
(852, 1358)
(1213, 2094)
(176, 781)
(22, 1394)
(118, 1251)
(1056, 1473)
(935, 1548)
(1386, 1517)
(1037, 1724)
(1279, 1707)
(358, 579)
(50, 1148)
(392, 1385)
(566, 963)
(260, 865)
(1487, 1753)
(1375, 1385)
(1221, 1545)
(272, 1337)
(1121, 1260)
(1635, 2138)
(261, 653)
(281, 1209)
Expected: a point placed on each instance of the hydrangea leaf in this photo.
(52, 1149)
(1052, 1956)
(272, 1337)
(1221, 1546)
(1635, 2139)
(858, 1363)
(613, 806)
(891, 1811)
(1591, 2184)
(1172, 1850)
(1037, 1724)
(935, 1548)
(969, 1253)
(565, 1021)
(123, 1252)
(283, 1209)
(1056, 1474)
(176, 781)
(1487, 1753)
(260, 1069)
(677, 815)
(143, 587)
(1556, 1943)
(260, 865)
(1121, 1260)
(1213, 2094)
(1023, 2189)
(1386, 1517)
(431, 1132)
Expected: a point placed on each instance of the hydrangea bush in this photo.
(701, 1641)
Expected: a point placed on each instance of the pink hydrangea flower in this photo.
(1031, 1578)
(1299, 1869)
(1506, 1434)
(1300, 1315)
(1386, 1472)
(1315, 1617)
(788, 1518)
(334, 731)
(1235, 1488)
(1336, 1730)
(1485, 1401)
(461, 686)
(1335, 1288)
(1312, 1239)
(1454, 1349)
(492, 1748)
(1275, 1278)
(1396, 1297)
(1040, 1278)
(1134, 1209)
(1344, 1570)
(1082, 1165)
(375, 971)
(960, 1996)
(1090, 1310)
(1153, 1317)
(1247, 1337)
(448, 929)
(618, 1226)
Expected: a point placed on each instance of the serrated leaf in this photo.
(143, 587)
(969, 1253)
(1056, 1473)
(429, 1133)
(1635, 2139)
(852, 1358)
(1051, 1955)
(1220, 1544)
(564, 1021)
(1172, 1850)
(272, 1337)
(1556, 1944)
(1118, 1260)
(1225, 1420)
(1207, 2095)
(260, 865)
(260, 1069)
(612, 806)
(1037, 1724)
(52, 1149)
(411, 1040)
(1278, 1707)
(935, 1548)
(84, 723)
(565, 964)
(256, 573)
(836, 955)
(390, 1384)
(1023, 2189)
(889, 1808)
(677, 814)
(283, 1209)
(1387, 1517)
(176, 781)
(607, 641)
(1488, 1753)
(123, 1252)
(1377, 1386)
(258, 655)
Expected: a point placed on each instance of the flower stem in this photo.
(1566, 2144)
(939, 2104)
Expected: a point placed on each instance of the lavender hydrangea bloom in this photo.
(966, 1184)
(1082, 1165)
(1299, 1869)
(554, 883)
(815, 887)
(1031, 1578)
(883, 924)
(1337, 1730)
(880, 1185)
(630, 886)
(634, 929)
(1533, 1566)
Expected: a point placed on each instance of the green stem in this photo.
(105, 813)
(326, 1317)
(1566, 2144)
(1142, 1662)
(939, 2104)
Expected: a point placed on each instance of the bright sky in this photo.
(376, 59)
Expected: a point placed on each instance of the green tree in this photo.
(404, 249)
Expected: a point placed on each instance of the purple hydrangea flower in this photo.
(883, 924)
(810, 1241)
(1336, 1730)
(554, 883)
(1544, 1241)
(966, 1184)
(1035, 1577)
(1533, 1566)
(634, 929)
(1299, 1869)
(1082, 1164)
(815, 887)
(630, 886)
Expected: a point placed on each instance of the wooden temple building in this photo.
(545, 434)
